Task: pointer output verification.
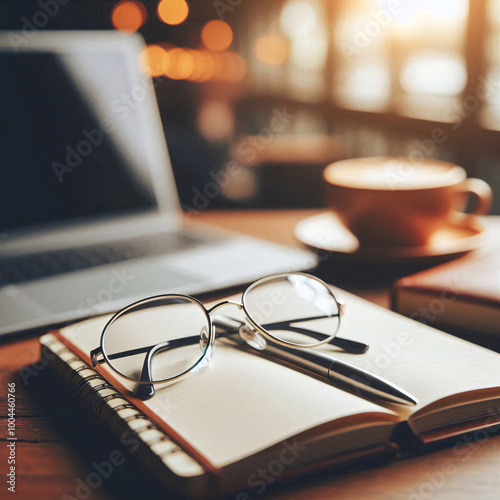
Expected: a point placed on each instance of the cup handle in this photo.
(481, 192)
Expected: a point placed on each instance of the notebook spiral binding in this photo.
(96, 395)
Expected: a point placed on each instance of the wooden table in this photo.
(57, 443)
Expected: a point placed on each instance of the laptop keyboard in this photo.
(30, 267)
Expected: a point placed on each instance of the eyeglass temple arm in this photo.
(145, 391)
(350, 346)
(182, 342)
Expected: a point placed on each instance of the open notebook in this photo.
(214, 430)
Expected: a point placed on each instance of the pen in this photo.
(327, 367)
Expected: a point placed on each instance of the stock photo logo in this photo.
(120, 109)
(118, 282)
(368, 32)
(259, 480)
(236, 171)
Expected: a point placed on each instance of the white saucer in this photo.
(326, 232)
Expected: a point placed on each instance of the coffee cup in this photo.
(392, 201)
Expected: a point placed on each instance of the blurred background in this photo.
(257, 96)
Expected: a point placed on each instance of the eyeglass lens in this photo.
(158, 339)
(294, 308)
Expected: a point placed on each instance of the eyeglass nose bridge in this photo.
(203, 334)
(223, 304)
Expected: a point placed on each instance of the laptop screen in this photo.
(71, 138)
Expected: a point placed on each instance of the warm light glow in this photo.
(423, 11)
(299, 18)
(216, 120)
(243, 187)
(218, 59)
(305, 27)
(181, 64)
(154, 60)
(271, 49)
(185, 64)
(217, 35)
(309, 53)
(173, 11)
(190, 64)
(365, 86)
(208, 67)
(199, 65)
(493, 12)
(434, 73)
(234, 67)
(129, 15)
(226, 66)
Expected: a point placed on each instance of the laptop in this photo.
(89, 215)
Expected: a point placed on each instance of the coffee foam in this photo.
(393, 173)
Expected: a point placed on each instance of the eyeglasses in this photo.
(165, 337)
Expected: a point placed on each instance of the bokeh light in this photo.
(195, 65)
(271, 49)
(129, 15)
(181, 64)
(216, 35)
(421, 12)
(208, 67)
(199, 65)
(154, 60)
(366, 85)
(173, 11)
(434, 73)
(309, 53)
(216, 120)
(299, 18)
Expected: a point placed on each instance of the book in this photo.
(244, 420)
(464, 293)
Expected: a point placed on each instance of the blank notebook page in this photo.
(240, 403)
(428, 363)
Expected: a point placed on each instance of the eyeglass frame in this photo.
(210, 341)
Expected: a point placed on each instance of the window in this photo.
(419, 59)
